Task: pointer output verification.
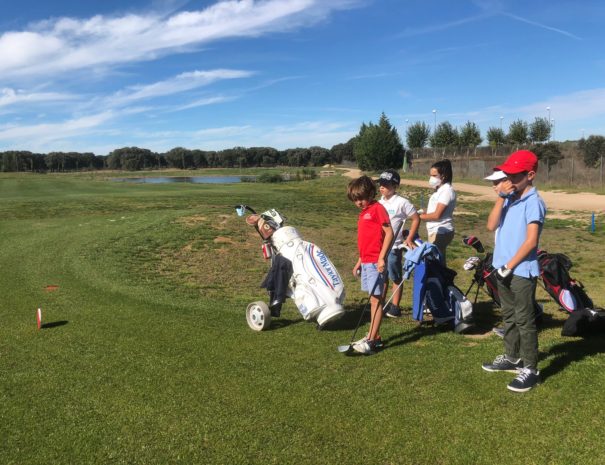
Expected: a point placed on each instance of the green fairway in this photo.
(146, 357)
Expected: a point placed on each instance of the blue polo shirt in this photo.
(516, 215)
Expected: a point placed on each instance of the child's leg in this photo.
(511, 331)
(376, 312)
(395, 270)
(525, 319)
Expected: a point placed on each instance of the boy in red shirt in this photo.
(374, 236)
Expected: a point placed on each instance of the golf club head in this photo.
(345, 348)
(474, 242)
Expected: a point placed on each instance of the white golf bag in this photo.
(315, 285)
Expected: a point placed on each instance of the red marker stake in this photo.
(39, 318)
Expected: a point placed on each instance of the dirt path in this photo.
(555, 201)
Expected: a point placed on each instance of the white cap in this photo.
(497, 175)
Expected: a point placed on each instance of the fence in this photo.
(565, 173)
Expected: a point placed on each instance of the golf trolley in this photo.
(299, 270)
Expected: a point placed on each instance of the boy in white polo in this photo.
(399, 209)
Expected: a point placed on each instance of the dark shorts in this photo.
(395, 266)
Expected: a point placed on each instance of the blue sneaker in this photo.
(525, 380)
(393, 311)
(501, 363)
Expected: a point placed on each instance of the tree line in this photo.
(375, 147)
(378, 146)
(136, 158)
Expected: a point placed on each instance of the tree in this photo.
(495, 137)
(340, 152)
(539, 130)
(417, 135)
(378, 146)
(549, 153)
(593, 150)
(445, 136)
(470, 136)
(518, 132)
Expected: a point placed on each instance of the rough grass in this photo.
(146, 357)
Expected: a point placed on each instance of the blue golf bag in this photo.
(435, 291)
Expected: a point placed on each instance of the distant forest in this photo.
(135, 158)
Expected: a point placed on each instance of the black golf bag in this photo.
(484, 277)
(565, 291)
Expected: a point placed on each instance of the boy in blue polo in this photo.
(519, 218)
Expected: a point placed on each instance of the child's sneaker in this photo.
(501, 363)
(525, 380)
(365, 347)
(393, 311)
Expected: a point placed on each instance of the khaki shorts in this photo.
(442, 240)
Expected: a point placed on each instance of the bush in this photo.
(268, 177)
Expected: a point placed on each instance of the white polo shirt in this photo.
(447, 196)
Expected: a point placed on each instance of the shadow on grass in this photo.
(571, 351)
(54, 324)
(280, 323)
(351, 318)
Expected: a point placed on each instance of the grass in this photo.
(147, 359)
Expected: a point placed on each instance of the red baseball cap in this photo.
(519, 162)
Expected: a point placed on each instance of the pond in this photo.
(188, 179)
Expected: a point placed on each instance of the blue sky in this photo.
(98, 75)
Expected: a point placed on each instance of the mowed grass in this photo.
(146, 357)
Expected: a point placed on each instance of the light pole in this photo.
(548, 110)
(434, 129)
(582, 133)
(501, 118)
(552, 126)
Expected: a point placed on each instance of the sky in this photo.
(96, 75)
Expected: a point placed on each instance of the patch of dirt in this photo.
(223, 240)
(192, 220)
(555, 200)
(51, 288)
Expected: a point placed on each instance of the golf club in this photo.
(348, 347)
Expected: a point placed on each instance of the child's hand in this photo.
(410, 244)
(356, 271)
(380, 265)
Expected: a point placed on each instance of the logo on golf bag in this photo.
(324, 267)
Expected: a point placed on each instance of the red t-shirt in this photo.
(370, 235)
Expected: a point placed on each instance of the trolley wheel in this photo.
(258, 316)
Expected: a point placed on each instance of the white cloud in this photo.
(67, 44)
(9, 96)
(54, 131)
(181, 83)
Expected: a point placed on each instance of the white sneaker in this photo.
(364, 347)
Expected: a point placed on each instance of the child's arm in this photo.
(413, 231)
(493, 220)
(386, 245)
(357, 267)
(434, 216)
(531, 242)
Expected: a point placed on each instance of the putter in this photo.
(345, 348)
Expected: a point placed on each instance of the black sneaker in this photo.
(501, 363)
(525, 380)
(393, 311)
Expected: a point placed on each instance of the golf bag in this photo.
(566, 291)
(484, 277)
(435, 291)
(299, 270)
